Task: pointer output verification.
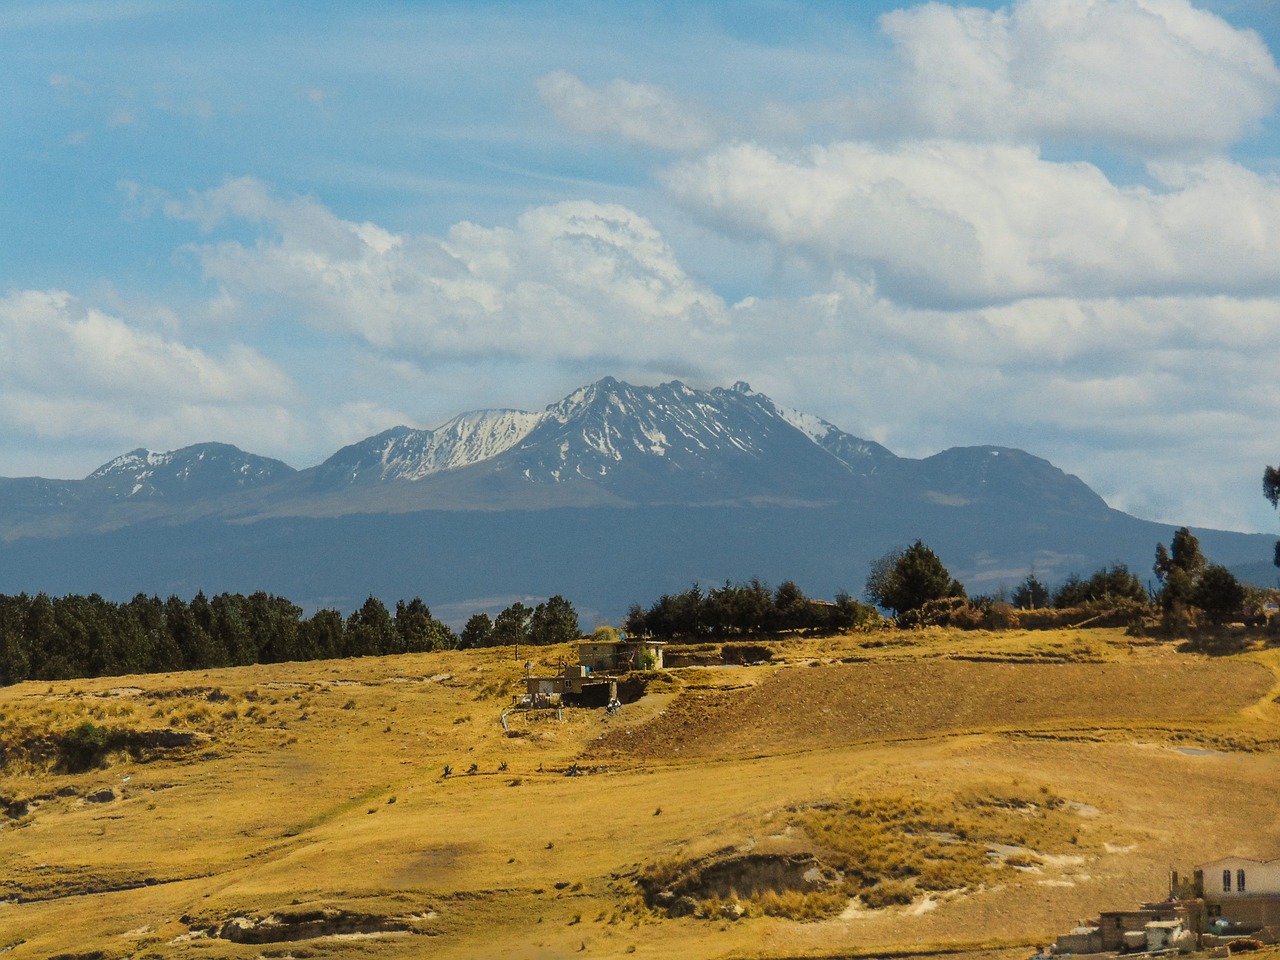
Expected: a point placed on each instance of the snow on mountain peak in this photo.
(593, 430)
(131, 462)
(208, 467)
(466, 439)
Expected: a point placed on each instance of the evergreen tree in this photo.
(1218, 593)
(274, 625)
(511, 626)
(1107, 585)
(370, 631)
(231, 630)
(1031, 593)
(322, 636)
(15, 665)
(477, 632)
(904, 580)
(1271, 490)
(419, 631)
(792, 609)
(555, 621)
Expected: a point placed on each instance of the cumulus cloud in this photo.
(952, 222)
(1124, 392)
(70, 370)
(571, 280)
(1129, 314)
(637, 112)
(1154, 75)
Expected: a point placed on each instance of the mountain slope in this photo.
(614, 494)
(668, 443)
(202, 470)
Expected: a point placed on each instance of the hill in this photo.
(303, 809)
(612, 495)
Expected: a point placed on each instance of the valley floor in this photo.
(311, 802)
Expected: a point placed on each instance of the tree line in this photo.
(61, 638)
(744, 609)
(908, 580)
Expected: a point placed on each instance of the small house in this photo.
(1082, 939)
(1241, 890)
(619, 656)
(1126, 929)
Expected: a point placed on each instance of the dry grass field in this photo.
(908, 794)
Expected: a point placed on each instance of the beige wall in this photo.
(1261, 877)
(605, 656)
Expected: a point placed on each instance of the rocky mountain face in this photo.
(205, 469)
(610, 494)
(669, 444)
(673, 444)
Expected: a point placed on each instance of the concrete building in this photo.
(619, 656)
(1162, 935)
(1241, 890)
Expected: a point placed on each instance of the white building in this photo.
(1241, 890)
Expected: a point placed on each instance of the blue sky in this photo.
(1050, 224)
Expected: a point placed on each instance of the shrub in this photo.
(888, 893)
(83, 748)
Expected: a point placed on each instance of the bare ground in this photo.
(315, 804)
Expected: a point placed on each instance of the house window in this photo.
(1226, 881)
(1240, 881)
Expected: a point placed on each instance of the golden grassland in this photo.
(896, 793)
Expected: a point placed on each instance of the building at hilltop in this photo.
(593, 680)
(621, 655)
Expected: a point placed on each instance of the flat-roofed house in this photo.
(619, 656)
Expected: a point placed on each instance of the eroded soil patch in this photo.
(311, 924)
(884, 850)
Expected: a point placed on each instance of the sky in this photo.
(1046, 224)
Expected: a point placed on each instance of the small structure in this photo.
(1240, 890)
(621, 655)
(1127, 929)
(1082, 939)
(1163, 935)
(593, 680)
(1152, 926)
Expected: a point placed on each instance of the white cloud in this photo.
(69, 370)
(952, 222)
(572, 280)
(1155, 75)
(1160, 404)
(1097, 382)
(637, 112)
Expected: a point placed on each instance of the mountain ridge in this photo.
(665, 444)
(612, 494)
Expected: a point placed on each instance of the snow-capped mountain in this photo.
(607, 442)
(614, 494)
(645, 444)
(205, 469)
(403, 453)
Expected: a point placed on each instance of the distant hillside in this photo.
(611, 495)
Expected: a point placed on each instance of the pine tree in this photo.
(905, 580)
